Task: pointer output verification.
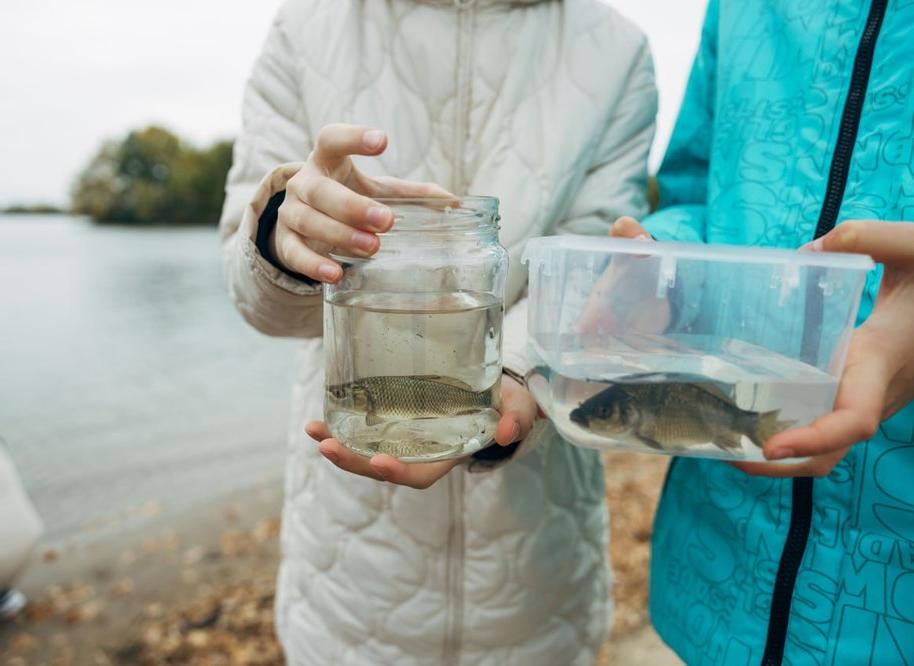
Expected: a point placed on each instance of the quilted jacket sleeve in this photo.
(615, 185)
(683, 176)
(273, 133)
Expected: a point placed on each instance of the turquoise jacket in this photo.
(798, 115)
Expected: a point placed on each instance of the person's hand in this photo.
(519, 411)
(878, 377)
(617, 303)
(329, 204)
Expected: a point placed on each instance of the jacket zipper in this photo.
(466, 14)
(802, 492)
(456, 544)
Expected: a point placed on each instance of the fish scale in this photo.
(411, 397)
(407, 397)
(673, 415)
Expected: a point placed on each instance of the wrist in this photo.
(516, 376)
(266, 237)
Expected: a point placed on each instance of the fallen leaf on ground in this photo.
(122, 588)
(267, 530)
(23, 643)
(38, 611)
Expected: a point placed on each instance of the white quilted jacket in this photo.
(548, 105)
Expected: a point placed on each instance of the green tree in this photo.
(152, 176)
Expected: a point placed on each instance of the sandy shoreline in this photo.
(197, 586)
(91, 601)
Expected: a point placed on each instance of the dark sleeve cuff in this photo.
(491, 456)
(265, 226)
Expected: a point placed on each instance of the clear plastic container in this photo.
(413, 334)
(686, 349)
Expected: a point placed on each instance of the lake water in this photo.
(129, 385)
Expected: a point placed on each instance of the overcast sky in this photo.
(77, 71)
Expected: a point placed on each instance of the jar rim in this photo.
(446, 214)
(423, 222)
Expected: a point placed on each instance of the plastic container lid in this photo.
(537, 247)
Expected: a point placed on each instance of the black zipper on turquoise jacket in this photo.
(802, 496)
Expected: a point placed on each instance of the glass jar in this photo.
(413, 334)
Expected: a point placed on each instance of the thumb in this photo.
(628, 227)
(886, 242)
(335, 143)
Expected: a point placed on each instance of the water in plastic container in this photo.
(416, 376)
(723, 405)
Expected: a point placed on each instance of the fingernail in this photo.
(327, 272)
(363, 241)
(642, 237)
(812, 246)
(515, 432)
(332, 457)
(378, 217)
(780, 454)
(372, 138)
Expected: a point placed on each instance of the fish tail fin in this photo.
(487, 398)
(765, 426)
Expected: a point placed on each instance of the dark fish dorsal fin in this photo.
(447, 381)
(716, 391)
(698, 381)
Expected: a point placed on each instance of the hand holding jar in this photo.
(412, 329)
(519, 411)
(329, 203)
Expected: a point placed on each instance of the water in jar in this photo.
(413, 375)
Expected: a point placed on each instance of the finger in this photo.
(509, 429)
(347, 460)
(419, 476)
(317, 430)
(294, 253)
(315, 225)
(335, 143)
(518, 412)
(886, 242)
(817, 467)
(858, 409)
(387, 186)
(340, 203)
(598, 313)
(628, 227)
(835, 431)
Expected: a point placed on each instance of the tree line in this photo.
(152, 176)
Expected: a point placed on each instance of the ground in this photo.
(199, 590)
